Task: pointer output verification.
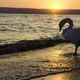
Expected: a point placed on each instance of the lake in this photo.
(15, 27)
(36, 63)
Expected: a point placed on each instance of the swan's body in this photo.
(70, 34)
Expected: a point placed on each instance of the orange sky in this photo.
(63, 4)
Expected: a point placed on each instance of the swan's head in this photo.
(64, 21)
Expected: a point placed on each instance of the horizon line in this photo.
(39, 8)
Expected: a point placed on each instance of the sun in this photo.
(55, 6)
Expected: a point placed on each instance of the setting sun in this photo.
(55, 6)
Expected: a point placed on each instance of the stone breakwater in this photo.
(25, 45)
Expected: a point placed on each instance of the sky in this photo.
(46, 4)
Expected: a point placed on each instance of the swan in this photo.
(70, 34)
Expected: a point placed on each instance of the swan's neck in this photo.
(70, 27)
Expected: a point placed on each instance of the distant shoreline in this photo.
(38, 11)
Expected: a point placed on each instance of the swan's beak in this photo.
(60, 30)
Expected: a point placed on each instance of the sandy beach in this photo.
(57, 60)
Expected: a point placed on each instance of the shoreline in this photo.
(71, 75)
(29, 64)
(53, 74)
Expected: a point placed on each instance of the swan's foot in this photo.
(76, 50)
(75, 54)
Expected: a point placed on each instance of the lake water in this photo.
(15, 27)
(56, 59)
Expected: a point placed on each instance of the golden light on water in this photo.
(58, 52)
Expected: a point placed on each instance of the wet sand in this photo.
(73, 75)
(28, 65)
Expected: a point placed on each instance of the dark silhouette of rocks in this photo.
(25, 45)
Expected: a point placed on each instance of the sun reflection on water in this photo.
(58, 52)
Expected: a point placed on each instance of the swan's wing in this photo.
(72, 35)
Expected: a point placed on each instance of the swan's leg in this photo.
(76, 50)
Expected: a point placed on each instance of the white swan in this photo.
(70, 34)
